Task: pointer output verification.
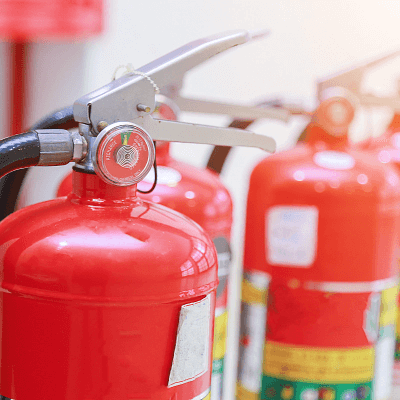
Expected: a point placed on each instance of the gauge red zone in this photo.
(125, 155)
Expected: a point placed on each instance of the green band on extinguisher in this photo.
(279, 389)
(218, 366)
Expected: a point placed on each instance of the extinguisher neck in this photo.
(316, 134)
(90, 189)
(162, 152)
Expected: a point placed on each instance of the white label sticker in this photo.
(291, 235)
(165, 176)
(192, 348)
(334, 160)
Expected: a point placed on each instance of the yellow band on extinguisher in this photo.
(220, 330)
(388, 315)
(319, 365)
(253, 295)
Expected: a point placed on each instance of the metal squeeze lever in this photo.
(194, 133)
(236, 111)
(351, 81)
(124, 99)
(202, 50)
(233, 110)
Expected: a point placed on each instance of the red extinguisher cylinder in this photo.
(320, 277)
(94, 288)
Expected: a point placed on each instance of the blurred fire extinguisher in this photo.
(385, 148)
(320, 280)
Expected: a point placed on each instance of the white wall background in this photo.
(309, 39)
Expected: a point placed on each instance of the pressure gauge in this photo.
(123, 154)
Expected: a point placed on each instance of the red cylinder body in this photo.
(105, 296)
(200, 195)
(320, 278)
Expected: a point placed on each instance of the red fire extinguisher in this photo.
(196, 193)
(386, 148)
(320, 282)
(104, 295)
(200, 195)
(95, 299)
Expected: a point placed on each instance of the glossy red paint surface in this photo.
(199, 194)
(91, 290)
(300, 317)
(357, 213)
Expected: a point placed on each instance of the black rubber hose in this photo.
(61, 119)
(16, 152)
(219, 154)
(19, 151)
(10, 185)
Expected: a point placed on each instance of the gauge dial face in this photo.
(123, 154)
